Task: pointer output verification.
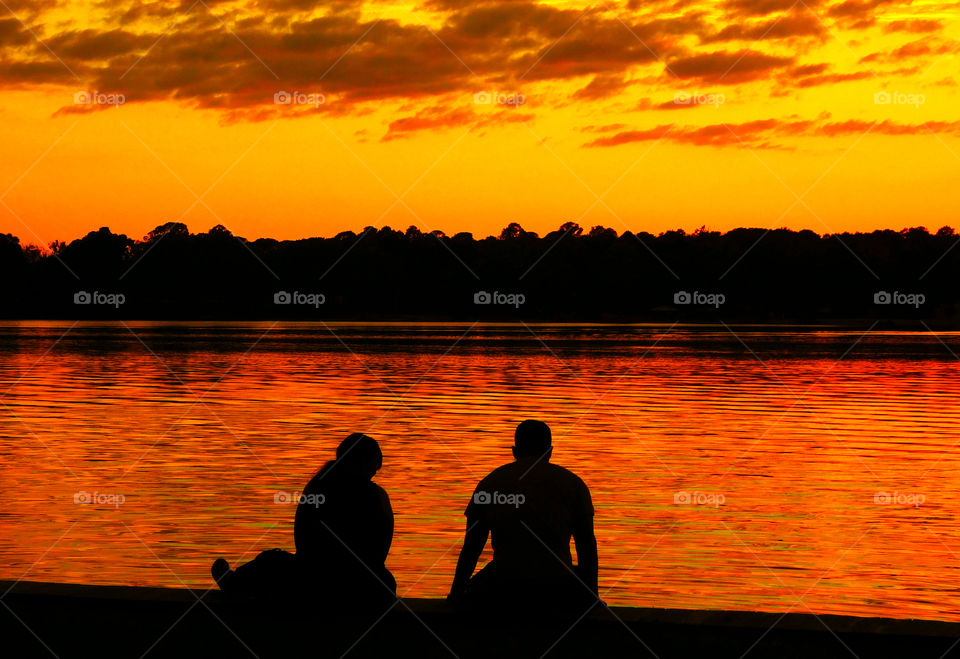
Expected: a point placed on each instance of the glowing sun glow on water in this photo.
(719, 481)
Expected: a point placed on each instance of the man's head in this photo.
(532, 440)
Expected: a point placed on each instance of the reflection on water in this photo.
(788, 440)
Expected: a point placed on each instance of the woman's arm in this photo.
(388, 522)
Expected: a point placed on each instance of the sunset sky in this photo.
(294, 118)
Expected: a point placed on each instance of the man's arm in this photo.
(587, 561)
(586, 541)
(474, 540)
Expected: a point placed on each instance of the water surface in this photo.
(800, 470)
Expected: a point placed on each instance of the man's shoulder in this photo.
(542, 470)
(565, 475)
(504, 471)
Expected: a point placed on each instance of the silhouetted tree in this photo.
(382, 274)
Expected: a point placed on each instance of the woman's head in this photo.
(359, 456)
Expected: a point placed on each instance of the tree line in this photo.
(570, 274)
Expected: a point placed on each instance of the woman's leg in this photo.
(270, 573)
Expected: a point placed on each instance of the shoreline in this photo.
(76, 620)
(844, 324)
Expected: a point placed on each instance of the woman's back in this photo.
(343, 525)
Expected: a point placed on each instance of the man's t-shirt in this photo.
(531, 509)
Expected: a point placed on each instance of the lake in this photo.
(783, 469)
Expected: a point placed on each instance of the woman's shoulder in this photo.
(381, 495)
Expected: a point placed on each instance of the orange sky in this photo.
(641, 115)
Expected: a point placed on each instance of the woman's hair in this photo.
(358, 452)
(358, 456)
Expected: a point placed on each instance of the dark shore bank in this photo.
(66, 620)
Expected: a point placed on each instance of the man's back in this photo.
(532, 508)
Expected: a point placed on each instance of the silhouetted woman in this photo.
(343, 530)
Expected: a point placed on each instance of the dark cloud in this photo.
(233, 56)
(12, 33)
(602, 86)
(727, 67)
(514, 21)
(20, 74)
(27, 9)
(93, 45)
(201, 62)
(766, 7)
(860, 14)
(792, 25)
(915, 26)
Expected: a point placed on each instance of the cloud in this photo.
(725, 67)
(602, 86)
(440, 117)
(605, 128)
(808, 69)
(93, 45)
(431, 117)
(856, 126)
(860, 13)
(627, 136)
(919, 48)
(783, 27)
(28, 9)
(764, 7)
(20, 74)
(217, 62)
(232, 56)
(769, 133)
(831, 79)
(12, 33)
(916, 26)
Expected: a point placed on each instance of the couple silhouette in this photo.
(343, 529)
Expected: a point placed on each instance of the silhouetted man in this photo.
(530, 508)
